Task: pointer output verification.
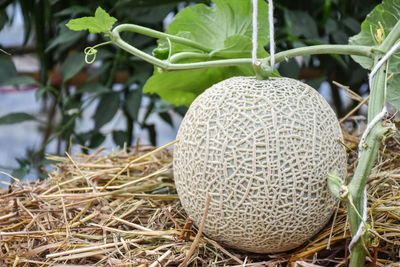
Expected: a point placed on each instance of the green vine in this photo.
(91, 52)
(365, 51)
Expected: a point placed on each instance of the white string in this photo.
(271, 33)
(371, 125)
(255, 31)
(382, 61)
(360, 231)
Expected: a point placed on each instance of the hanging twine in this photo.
(382, 61)
(271, 32)
(360, 230)
(371, 125)
(255, 32)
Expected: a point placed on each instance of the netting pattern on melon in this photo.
(262, 150)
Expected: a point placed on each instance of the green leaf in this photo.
(96, 140)
(20, 80)
(119, 137)
(184, 86)
(226, 29)
(352, 24)
(106, 109)
(290, 68)
(330, 26)
(72, 65)
(18, 117)
(301, 24)
(340, 37)
(102, 22)
(211, 26)
(151, 129)
(72, 11)
(104, 69)
(3, 18)
(237, 46)
(383, 17)
(93, 88)
(316, 82)
(8, 69)
(20, 172)
(64, 37)
(133, 103)
(165, 116)
(335, 183)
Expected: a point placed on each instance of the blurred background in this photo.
(51, 101)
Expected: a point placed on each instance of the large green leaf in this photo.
(375, 27)
(226, 30)
(182, 87)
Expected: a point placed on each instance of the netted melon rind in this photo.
(262, 150)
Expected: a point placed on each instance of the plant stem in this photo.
(159, 35)
(317, 49)
(188, 55)
(357, 185)
(356, 50)
(117, 40)
(366, 51)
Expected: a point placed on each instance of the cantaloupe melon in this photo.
(262, 150)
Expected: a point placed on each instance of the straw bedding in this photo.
(120, 208)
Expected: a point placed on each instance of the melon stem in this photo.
(211, 61)
(373, 141)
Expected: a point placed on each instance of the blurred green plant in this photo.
(64, 99)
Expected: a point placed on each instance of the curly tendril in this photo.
(91, 52)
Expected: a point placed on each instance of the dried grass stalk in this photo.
(121, 209)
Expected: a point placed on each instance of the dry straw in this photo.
(78, 217)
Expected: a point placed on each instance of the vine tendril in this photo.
(91, 52)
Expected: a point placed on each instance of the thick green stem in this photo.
(368, 155)
(188, 55)
(360, 178)
(358, 255)
(356, 50)
(159, 35)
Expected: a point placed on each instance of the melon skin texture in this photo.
(262, 150)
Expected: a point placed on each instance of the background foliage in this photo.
(297, 23)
